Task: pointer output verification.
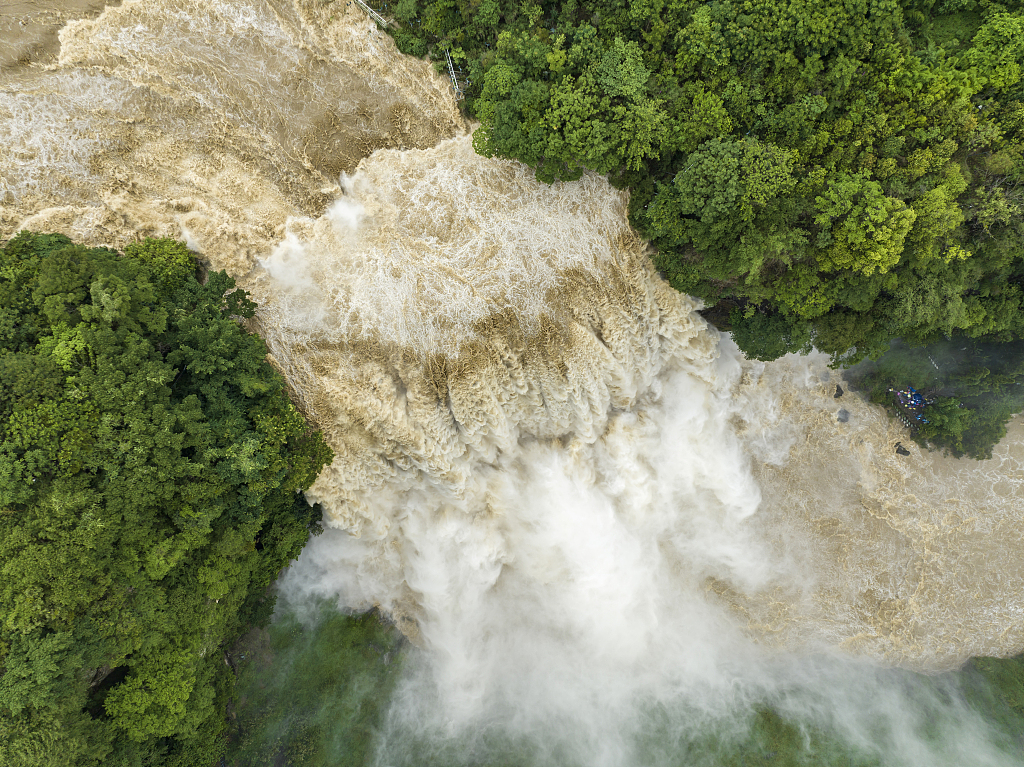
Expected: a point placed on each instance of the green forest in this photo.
(150, 469)
(822, 174)
(974, 388)
(846, 176)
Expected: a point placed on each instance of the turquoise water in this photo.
(313, 694)
(336, 691)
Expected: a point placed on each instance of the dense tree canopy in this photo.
(826, 174)
(842, 173)
(150, 469)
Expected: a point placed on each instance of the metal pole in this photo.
(373, 14)
(459, 95)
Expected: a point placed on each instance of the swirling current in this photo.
(598, 523)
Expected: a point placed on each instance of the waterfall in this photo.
(594, 518)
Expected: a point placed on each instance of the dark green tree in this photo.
(974, 388)
(150, 476)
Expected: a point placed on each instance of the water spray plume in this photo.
(611, 538)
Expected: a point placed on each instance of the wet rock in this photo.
(900, 450)
(839, 392)
(843, 415)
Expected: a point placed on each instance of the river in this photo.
(599, 525)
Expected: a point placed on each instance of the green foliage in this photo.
(769, 336)
(998, 683)
(864, 230)
(150, 469)
(313, 695)
(170, 260)
(976, 387)
(998, 51)
(853, 169)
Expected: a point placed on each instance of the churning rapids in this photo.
(592, 515)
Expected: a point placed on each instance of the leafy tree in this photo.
(974, 389)
(832, 174)
(769, 336)
(816, 161)
(150, 469)
(860, 228)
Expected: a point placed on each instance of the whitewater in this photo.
(605, 532)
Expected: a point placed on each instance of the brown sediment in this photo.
(914, 557)
(29, 29)
(388, 406)
(439, 315)
(136, 107)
